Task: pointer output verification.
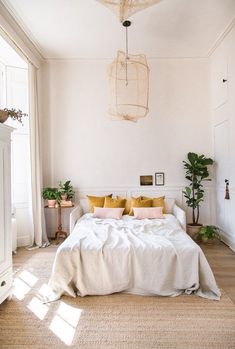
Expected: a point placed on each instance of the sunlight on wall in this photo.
(65, 321)
(38, 308)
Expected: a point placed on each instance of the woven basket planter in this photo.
(3, 116)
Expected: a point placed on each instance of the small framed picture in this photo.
(146, 180)
(159, 178)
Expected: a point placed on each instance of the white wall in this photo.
(81, 143)
(223, 106)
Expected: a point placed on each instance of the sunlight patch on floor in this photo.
(69, 313)
(62, 330)
(38, 308)
(20, 288)
(28, 277)
(65, 322)
(44, 290)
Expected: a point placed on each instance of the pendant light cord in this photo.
(126, 54)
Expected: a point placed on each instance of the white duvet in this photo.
(146, 257)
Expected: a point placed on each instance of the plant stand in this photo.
(60, 233)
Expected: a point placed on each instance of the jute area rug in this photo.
(116, 321)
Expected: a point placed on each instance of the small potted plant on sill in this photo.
(66, 191)
(52, 196)
(15, 114)
(196, 172)
(208, 233)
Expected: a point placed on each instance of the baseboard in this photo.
(228, 241)
(23, 241)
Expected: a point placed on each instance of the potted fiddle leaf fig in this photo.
(196, 168)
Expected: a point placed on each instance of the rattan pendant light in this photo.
(129, 85)
(125, 8)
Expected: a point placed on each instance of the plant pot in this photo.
(3, 116)
(64, 197)
(208, 241)
(204, 239)
(193, 230)
(51, 203)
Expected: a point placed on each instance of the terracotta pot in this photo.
(64, 197)
(193, 230)
(3, 116)
(51, 203)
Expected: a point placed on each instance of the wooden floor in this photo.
(222, 261)
(119, 320)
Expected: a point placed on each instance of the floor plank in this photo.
(222, 261)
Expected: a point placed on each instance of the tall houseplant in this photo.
(196, 168)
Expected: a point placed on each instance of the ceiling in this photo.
(85, 29)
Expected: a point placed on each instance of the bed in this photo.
(145, 257)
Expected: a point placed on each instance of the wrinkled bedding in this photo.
(145, 257)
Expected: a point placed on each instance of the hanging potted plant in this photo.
(15, 114)
(196, 172)
(52, 196)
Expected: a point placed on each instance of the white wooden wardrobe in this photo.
(5, 213)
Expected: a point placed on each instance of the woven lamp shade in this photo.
(129, 87)
(125, 8)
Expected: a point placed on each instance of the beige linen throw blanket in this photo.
(145, 257)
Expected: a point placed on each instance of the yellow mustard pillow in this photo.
(96, 201)
(114, 203)
(139, 202)
(127, 204)
(157, 202)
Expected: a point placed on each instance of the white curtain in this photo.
(39, 236)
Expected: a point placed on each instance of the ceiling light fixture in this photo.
(129, 84)
(126, 8)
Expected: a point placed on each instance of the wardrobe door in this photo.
(219, 75)
(221, 142)
(5, 233)
(5, 212)
(2, 218)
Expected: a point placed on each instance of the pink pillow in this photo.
(148, 212)
(103, 212)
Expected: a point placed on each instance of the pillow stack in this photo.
(108, 207)
(96, 201)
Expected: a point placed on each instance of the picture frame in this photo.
(146, 180)
(159, 178)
